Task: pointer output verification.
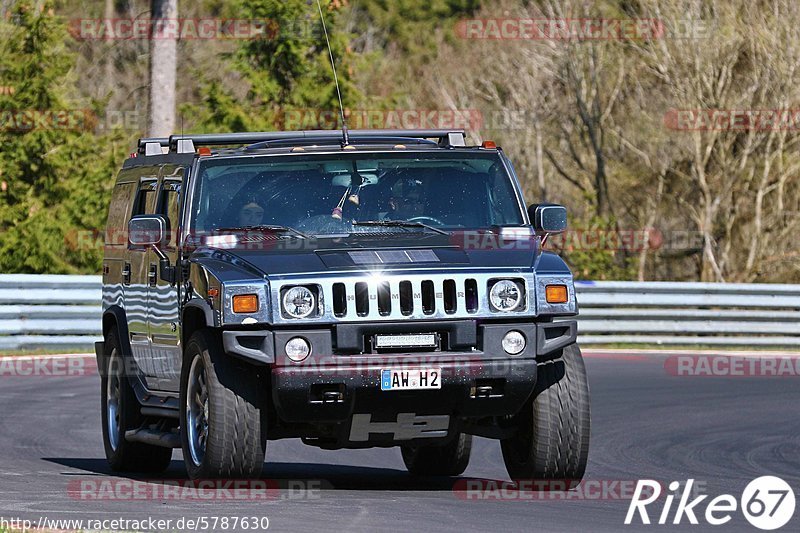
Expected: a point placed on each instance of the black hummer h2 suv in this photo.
(388, 289)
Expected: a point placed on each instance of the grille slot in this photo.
(362, 299)
(449, 293)
(384, 299)
(406, 298)
(339, 300)
(428, 297)
(471, 295)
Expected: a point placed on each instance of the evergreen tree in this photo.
(57, 174)
(287, 70)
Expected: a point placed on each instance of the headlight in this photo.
(297, 349)
(505, 295)
(513, 342)
(299, 302)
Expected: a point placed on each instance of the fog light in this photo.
(514, 343)
(297, 349)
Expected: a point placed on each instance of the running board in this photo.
(165, 439)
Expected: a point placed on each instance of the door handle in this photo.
(152, 275)
(126, 274)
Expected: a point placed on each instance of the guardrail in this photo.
(49, 312)
(675, 313)
(63, 313)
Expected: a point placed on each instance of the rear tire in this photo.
(552, 441)
(120, 413)
(432, 460)
(223, 412)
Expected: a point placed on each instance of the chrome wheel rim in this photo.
(197, 411)
(113, 399)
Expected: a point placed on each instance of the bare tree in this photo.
(163, 65)
(588, 125)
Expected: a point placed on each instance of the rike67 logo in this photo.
(767, 503)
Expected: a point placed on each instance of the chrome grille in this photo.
(401, 297)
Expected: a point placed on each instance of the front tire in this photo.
(432, 460)
(552, 439)
(223, 412)
(120, 413)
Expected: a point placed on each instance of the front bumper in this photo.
(327, 389)
(470, 389)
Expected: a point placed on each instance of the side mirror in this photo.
(548, 218)
(147, 230)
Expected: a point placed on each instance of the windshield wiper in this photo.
(398, 224)
(266, 227)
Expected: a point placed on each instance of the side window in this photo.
(145, 198)
(118, 214)
(169, 207)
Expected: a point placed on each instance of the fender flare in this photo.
(197, 303)
(121, 324)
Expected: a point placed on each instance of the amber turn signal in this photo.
(556, 294)
(245, 303)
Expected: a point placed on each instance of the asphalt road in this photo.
(720, 431)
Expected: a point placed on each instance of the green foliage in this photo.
(410, 25)
(287, 69)
(57, 173)
(596, 250)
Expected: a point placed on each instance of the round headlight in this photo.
(505, 295)
(514, 342)
(297, 349)
(299, 302)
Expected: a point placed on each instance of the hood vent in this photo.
(389, 257)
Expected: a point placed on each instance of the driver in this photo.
(406, 201)
(250, 214)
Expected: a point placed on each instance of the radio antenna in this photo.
(345, 136)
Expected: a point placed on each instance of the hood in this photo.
(391, 252)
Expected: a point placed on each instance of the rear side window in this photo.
(145, 198)
(118, 213)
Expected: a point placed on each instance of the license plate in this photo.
(411, 379)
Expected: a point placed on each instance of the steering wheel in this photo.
(430, 219)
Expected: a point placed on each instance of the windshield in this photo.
(335, 194)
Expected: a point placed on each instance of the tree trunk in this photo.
(109, 66)
(163, 61)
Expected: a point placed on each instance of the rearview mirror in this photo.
(147, 230)
(548, 218)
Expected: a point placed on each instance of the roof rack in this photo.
(354, 139)
(444, 138)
